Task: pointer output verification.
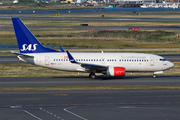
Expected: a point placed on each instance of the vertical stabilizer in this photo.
(27, 42)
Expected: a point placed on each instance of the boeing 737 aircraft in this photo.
(109, 64)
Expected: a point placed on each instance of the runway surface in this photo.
(14, 59)
(97, 19)
(9, 59)
(91, 105)
(85, 81)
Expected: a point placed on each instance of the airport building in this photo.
(128, 1)
(147, 1)
(136, 1)
(78, 1)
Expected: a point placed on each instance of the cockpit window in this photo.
(162, 59)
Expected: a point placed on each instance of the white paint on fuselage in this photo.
(132, 62)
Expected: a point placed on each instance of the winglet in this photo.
(62, 50)
(71, 59)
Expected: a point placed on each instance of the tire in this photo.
(154, 76)
(93, 76)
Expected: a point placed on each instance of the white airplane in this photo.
(110, 64)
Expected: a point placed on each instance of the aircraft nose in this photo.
(171, 64)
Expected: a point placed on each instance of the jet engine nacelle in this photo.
(115, 71)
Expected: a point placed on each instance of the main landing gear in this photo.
(154, 76)
(92, 75)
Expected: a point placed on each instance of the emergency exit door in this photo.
(152, 61)
(47, 60)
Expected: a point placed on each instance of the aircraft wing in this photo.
(86, 65)
(18, 53)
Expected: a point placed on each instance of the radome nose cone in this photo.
(171, 64)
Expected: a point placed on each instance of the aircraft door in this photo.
(47, 60)
(152, 61)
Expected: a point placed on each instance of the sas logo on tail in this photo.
(29, 47)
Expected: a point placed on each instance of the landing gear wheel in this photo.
(154, 76)
(92, 75)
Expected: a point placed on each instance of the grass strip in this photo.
(117, 87)
(90, 23)
(102, 39)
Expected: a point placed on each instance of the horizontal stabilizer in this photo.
(18, 53)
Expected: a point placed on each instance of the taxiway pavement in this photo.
(104, 27)
(91, 105)
(97, 19)
(85, 81)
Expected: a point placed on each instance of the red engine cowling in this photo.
(115, 71)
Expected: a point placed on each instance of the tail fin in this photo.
(27, 42)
